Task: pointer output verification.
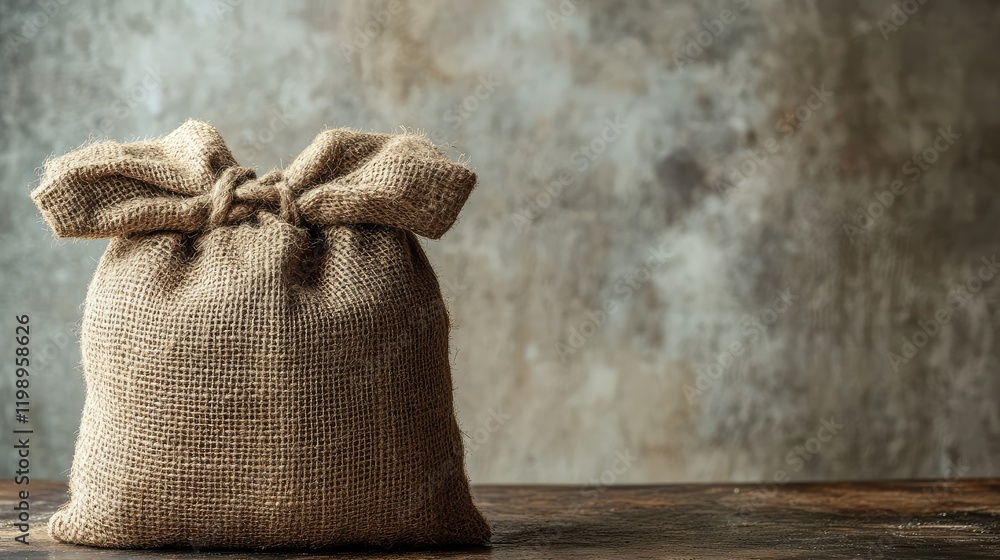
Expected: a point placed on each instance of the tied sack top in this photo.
(188, 181)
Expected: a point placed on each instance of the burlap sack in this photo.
(266, 360)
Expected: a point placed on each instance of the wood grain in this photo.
(907, 519)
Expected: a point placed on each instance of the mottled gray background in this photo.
(731, 165)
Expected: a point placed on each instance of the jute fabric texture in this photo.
(266, 359)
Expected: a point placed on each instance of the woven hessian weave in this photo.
(266, 359)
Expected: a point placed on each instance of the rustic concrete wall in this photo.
(665, 259)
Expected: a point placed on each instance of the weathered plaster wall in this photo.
(642, 198)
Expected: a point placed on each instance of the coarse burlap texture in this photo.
(266, 359)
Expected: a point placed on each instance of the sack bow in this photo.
(188, 181)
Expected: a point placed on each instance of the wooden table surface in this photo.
(911, 519)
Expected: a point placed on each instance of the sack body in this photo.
(266, 360)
